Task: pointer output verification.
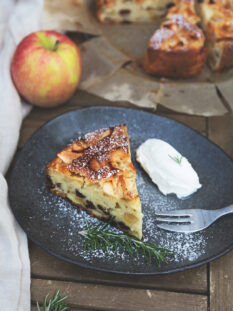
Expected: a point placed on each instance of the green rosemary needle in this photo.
(54, 304)
(177, 159)
(99, 237)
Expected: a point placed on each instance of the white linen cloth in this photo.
(17, 19)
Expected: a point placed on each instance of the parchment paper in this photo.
(111, 64)
(72, 15)
(100, 60)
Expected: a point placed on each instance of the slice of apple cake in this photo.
(96, 174)
(131, 11)
(217, 22)
(177, 48)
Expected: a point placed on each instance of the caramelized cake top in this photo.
(179, 31)
(99, 152)
(177, 34)
(186, 9)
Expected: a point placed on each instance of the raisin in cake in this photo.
(177, 49)
(131, 11)
(217, 22)
(96, 174)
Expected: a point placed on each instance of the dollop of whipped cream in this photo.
(167, 168)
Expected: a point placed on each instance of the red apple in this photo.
(46, 68)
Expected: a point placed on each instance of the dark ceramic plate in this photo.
(53, 223)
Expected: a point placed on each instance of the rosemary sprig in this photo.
(177, 159)
(54, 304)
(99, 236)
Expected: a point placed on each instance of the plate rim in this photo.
(88, 265)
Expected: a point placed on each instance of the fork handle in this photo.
(223, 211)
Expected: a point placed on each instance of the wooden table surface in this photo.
(209, 287)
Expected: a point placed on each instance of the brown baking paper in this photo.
(112, 70)
(125, 86)
(69, 15)
(100, 60)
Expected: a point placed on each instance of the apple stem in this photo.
(56, 45)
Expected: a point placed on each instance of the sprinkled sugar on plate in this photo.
(54, 223)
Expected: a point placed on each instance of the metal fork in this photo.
(190, 220)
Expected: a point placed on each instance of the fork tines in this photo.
(176, 220)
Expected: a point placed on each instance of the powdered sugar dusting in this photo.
(94, 161)
(55, 223)
(185, 247)
(62, 221)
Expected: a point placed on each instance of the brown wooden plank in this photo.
(221, 132)
(39, 116)
(221, 270)
(44, 265)
(34, 308)
(221, 283)
(81, 99)
(116, 298)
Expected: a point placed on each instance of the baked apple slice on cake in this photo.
(177, 49)
(217, 22)
(96, 174)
